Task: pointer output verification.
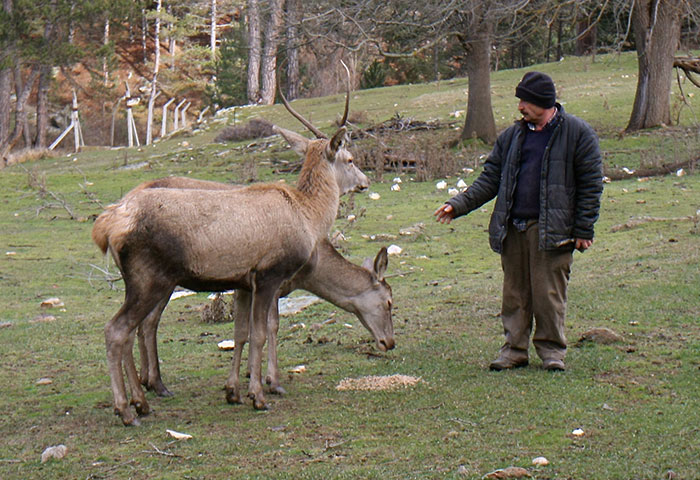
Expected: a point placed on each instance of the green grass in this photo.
(637, 401)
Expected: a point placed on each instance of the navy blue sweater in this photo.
(526, 199)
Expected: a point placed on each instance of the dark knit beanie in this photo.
(537, 88)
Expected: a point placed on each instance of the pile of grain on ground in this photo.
(374, 382)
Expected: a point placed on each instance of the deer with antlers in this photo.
(254, 238)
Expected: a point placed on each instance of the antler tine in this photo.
(347, 97)
(295, 114)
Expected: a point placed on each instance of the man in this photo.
(546, 173)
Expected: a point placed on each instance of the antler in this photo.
(347, 97)
(305, 122)
(295, 114)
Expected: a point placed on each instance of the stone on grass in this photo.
(57, 452)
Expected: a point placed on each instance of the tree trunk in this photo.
(212, 39)
(6, 84)
(268, 70)
(656, 26)
(20, 116)
(254, 51)
(154, 82)
(19, 92)
(42, 106)
(479, 122)
(5, 103)
(294, 14)
(42, 100)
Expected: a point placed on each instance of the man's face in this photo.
(530, 112)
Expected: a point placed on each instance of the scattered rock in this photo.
(5, 324)
(578, 432)
(600, 335)
(178, 435)
(510, 472)
(293, 305)
(52, 303)
(416, 229)
(540, 461)
(44, 381)
(298, 369)
(57, 452)
(394, 250)
(226, 345)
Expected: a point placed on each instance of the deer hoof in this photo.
(233, 397)
(128, 419)
(161, 390)
(258, 403)
(142, 408)
(277, 390)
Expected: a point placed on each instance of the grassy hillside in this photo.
(636, 400)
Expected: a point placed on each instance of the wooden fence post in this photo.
(177, 117)
(164, 121)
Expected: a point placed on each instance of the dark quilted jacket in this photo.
(571, 185)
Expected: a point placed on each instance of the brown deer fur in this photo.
(359, 290)
(253, 238)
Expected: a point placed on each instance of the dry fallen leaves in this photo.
(374, 382)
(52, 303)
(510, 472)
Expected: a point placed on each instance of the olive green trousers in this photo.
(534, 287)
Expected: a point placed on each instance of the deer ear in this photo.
(298, 142)
(380, 263)
(336, 141)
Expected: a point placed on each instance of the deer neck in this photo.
(319, 189)
(335, 279)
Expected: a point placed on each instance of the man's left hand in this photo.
(583, 244)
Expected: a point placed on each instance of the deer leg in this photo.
(148, 347)
(119, 333)
(138, 399)
(273, 325)
(263, 296)
(242, 322)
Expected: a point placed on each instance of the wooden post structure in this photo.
(164, 121)
(74, 125)
(184, 118)
(130, 124)
(177, 117)
(149, 129)
(201, 114)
